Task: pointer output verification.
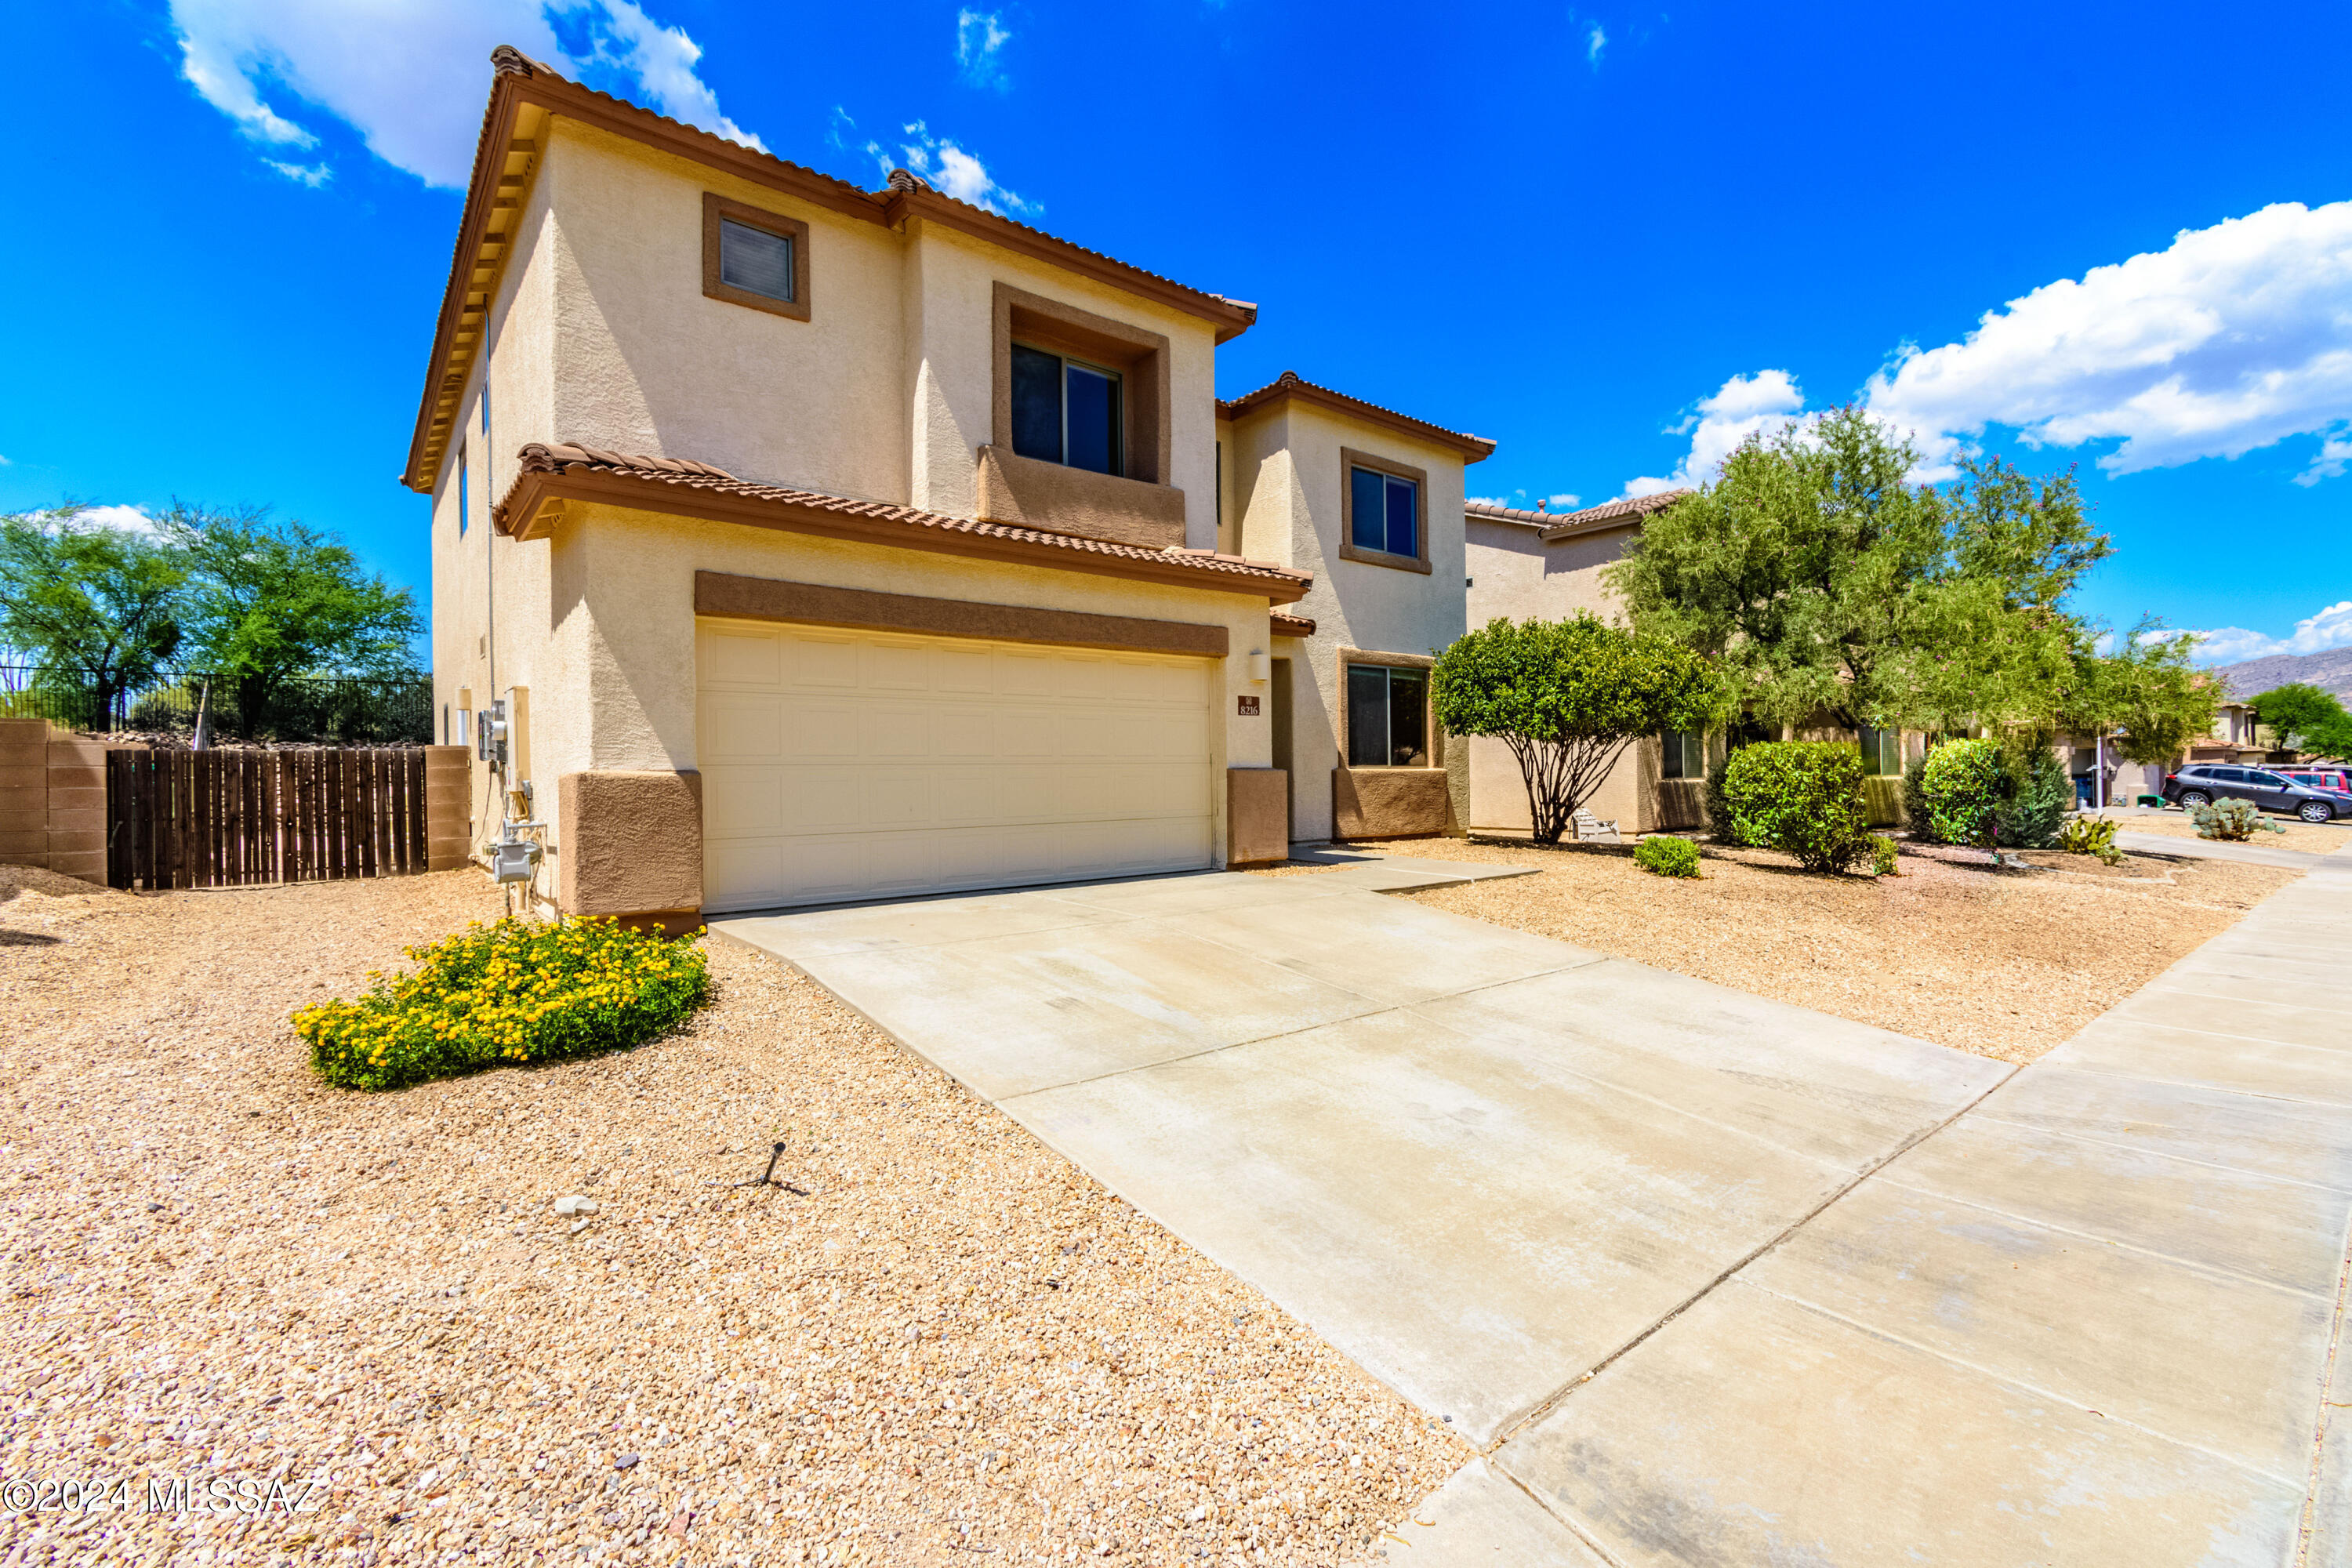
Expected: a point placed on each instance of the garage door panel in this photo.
(842, 765)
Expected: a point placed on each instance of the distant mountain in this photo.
(2330, 671)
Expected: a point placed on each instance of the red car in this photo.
(2321, 778)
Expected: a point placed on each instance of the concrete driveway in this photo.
(1708, 1278)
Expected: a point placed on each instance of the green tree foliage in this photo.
(1567, 698)
(2145, 698)
(1804, 798)
(1828, 585)
(2036, 794)
(2304, 717)
(100, 605)
(271, 601)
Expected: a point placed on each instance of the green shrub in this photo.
(1802, 797)
(513, 992)
(1917, 818)
(2232, 820)
(1667, 855)
(2091, 836)
(1882, 856)
(1960, 787)
(1719, 820)
(2037, 795)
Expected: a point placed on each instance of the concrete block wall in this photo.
(25, 791)
(52, 799)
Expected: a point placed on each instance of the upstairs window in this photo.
(1065, 411)
(755, 260)
(1881, 751)
(463, 492)
(1383, 512)
(1685, 755)
(1387, 717)
(1386, 515)
(751, 257)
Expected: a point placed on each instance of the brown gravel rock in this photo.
(947, 1344)
(2310, 837)
(2004, 963)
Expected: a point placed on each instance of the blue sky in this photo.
(1610, 237)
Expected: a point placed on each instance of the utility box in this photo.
(514, 859)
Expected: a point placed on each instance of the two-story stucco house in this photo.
(821, 543)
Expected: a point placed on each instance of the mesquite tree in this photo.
(1567, 697)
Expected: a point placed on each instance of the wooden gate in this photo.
(225, 819)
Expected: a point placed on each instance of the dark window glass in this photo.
(1881, 751)
(461, 490)
(754, 260)
(1387, 717)
(2268, 781)
(1685, 755)
(1404, 523)
(1408, 718)
(1367, 510)
(2227, 775)
(1036, 403)
(1093, 419)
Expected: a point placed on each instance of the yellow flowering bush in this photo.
(514, 992)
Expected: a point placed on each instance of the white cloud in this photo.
(958, 173)
(1595, 40)
(2330, 628)
(1564, 501)
(310, 175)
(979, 35)
(410, 75)
(1740, 407)
(2232, 338)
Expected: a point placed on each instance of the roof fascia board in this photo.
(1474, 449)
(524, 515)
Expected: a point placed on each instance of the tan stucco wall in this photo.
(1283, 474)
(1515, 575)
(607, 603)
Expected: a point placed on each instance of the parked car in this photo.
(2201, 783)
(2321, 778)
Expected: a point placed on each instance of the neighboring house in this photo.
(1548, 566)
(825, 543)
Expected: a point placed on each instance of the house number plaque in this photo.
(1249, 707)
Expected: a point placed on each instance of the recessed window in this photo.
(1386, 515)
(1387, 717)
(755, 258)
(1065, 411)
(1881, 751)
(462, 492)
(1685, 755)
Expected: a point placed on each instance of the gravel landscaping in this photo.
(2312, 838)
(947, 1344)
(2004, 963)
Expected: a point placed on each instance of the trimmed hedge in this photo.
(505, 994)
(1959, 787)
(1802, 797)
(1667, 855)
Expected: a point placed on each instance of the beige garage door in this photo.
(840, 764)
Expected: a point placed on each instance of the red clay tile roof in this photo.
(1290, 384)
(1561, 524)
(1284, 626)
(922, 529)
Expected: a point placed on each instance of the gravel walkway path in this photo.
(954, 1347)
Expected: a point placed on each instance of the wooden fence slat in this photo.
(225, 819)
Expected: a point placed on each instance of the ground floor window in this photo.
(1685, 755)
(1881, 751)
(1387, 717)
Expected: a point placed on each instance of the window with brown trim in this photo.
(1385, 720)
(1102, 382)
(1383, 511)
(755, 258)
